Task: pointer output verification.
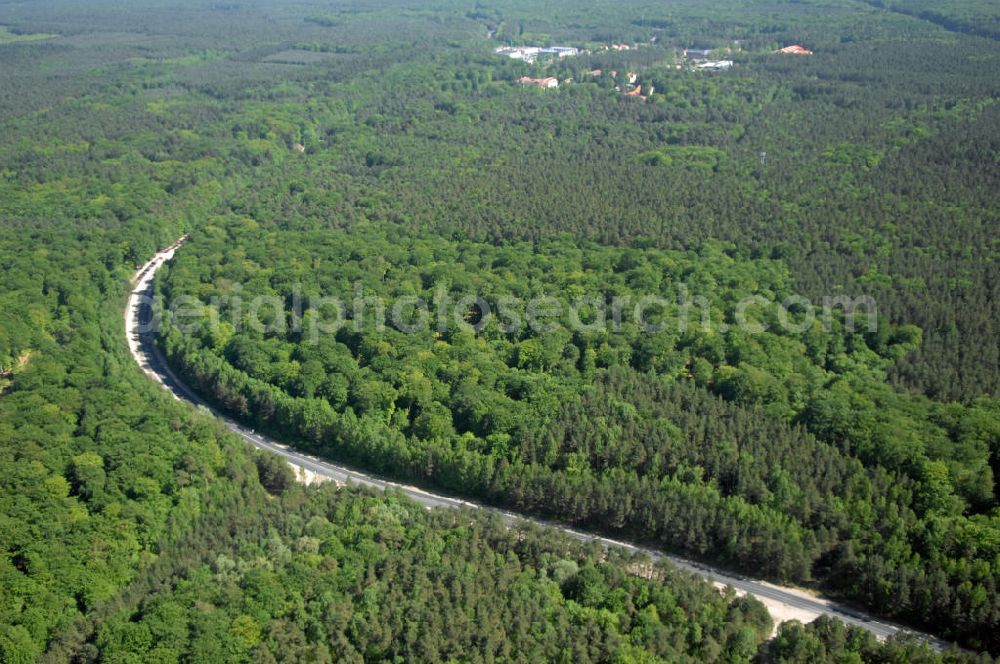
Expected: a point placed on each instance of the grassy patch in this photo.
(8, 37)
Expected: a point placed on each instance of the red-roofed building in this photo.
(796, 50)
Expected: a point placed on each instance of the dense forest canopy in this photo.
(321, 148)
(781, 453)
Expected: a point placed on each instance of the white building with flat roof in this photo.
(717, 65)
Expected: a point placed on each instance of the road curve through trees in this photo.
(782, 602)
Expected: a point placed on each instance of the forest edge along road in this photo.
(783, 603)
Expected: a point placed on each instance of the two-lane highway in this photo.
(779, 600)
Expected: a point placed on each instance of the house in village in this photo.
(795, 49)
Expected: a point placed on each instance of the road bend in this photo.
(781, 601)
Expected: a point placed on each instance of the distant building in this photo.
(795, 49)
(636, 93)
(531, 53)
(717, 65)
(560, 51)
(526, 53)
(298, 147)
(696, 54)
(596, 72)
(547, 82)
(632, 77)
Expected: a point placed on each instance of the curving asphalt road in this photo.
(150, 359)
